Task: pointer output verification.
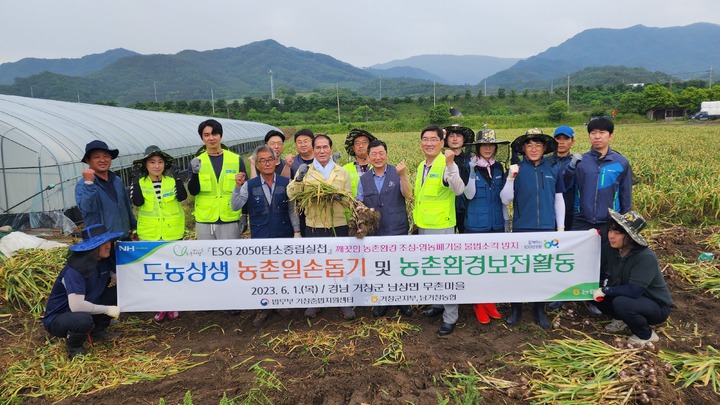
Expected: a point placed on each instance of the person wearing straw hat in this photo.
(100, 195)
(158, 198)
(356, 145)
(635, 293)
(536, 187)
(458, 136)
(83, 298)
(485, 211)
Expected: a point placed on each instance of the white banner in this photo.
(346, 271)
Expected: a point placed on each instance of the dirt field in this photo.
(346, 375)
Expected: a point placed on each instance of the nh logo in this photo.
(126, 248)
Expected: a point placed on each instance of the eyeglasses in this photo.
(266, 161)
(361, 143)
(534, 145)
(430, 140)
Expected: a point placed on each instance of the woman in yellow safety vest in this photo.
(158, 197)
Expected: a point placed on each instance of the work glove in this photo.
(561, 229)
(113, 311)
(195, 165)
(514, 169)
(473, 163)
(243, 223)
(507, 226)
(297, 235)
(301, 172)
(598, 295)
(575, 159)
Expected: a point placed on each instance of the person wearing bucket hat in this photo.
(274, 139)
(437, 183)
(485, 212)
(536, 187)
(356, 145)
(83, 300)
(100, 194)
(158, 198)
(457, 136)
(635, 293)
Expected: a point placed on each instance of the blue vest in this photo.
(389, 202)
(484, 211)
(269, 220)
(534, 200)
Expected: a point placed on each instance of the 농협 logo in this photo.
(552, 243)
(264, 302)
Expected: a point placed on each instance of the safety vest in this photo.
(212, 203)
(354, 177)
(162, 219)
(434, 201)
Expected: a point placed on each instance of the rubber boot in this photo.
(515, 315)
(75, 342)
(481, 314)
(492, 311)
(540, 316)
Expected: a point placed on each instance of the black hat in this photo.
(535, 134)
(274, 132)
(153, 150)
(467, 133)
(98, 145)
(354, 134)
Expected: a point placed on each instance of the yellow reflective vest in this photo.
(213, 201)
(354, 177)
(434, 201)
(161, 219)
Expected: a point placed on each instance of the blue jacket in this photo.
(484, 211)
(534, 198)
(389, 202)
(269, 220)
(97, 206)
(601, 184)
(562, 163)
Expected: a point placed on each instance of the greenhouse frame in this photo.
(43, 141)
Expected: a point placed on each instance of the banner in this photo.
(346, 271)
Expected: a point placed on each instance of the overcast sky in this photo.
(360, 32)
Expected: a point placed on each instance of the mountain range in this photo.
(647, 55)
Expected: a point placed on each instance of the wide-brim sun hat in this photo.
(98, 145)
(151, 151)
(94, 236)
(467, 133)
(354, 134)
(487, 137)
(632, 222)
(534, 134)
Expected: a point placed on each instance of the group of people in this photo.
(463, 184)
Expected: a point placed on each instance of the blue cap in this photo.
(564, 130)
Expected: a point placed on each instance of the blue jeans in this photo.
(638, 313)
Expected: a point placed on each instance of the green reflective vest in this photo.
(213, 201)
(161, 219)
(354, 177)
(434, 202)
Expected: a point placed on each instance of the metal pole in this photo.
(337, 96)
(212, 98)
(155, 88)
(568, 92)
(272, 87)
(433, 93)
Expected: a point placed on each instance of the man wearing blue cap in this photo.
(83, 298)
(100, 195)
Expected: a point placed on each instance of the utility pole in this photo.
(433, 93)
(485, 90)
(212, 98)
(78, 92)
(272, 87)
(380, 87)
(337, 96)
(568, 93)
(711, 74)
(155, 89)
(31, 92)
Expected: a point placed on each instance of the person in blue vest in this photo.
(456, 138)
(485, 211)
(83, 298)
(272, 214)
(158, 197)
(536, 189)
(386, 188)
(100, 194)
(437, 183)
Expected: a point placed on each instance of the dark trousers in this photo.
(460, 221)
(637, 313)
(321, 232)
(82, 322)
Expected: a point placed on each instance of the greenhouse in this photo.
(43, 141)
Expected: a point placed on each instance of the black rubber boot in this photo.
(75, 342)
(540, 316)
(515, 315)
